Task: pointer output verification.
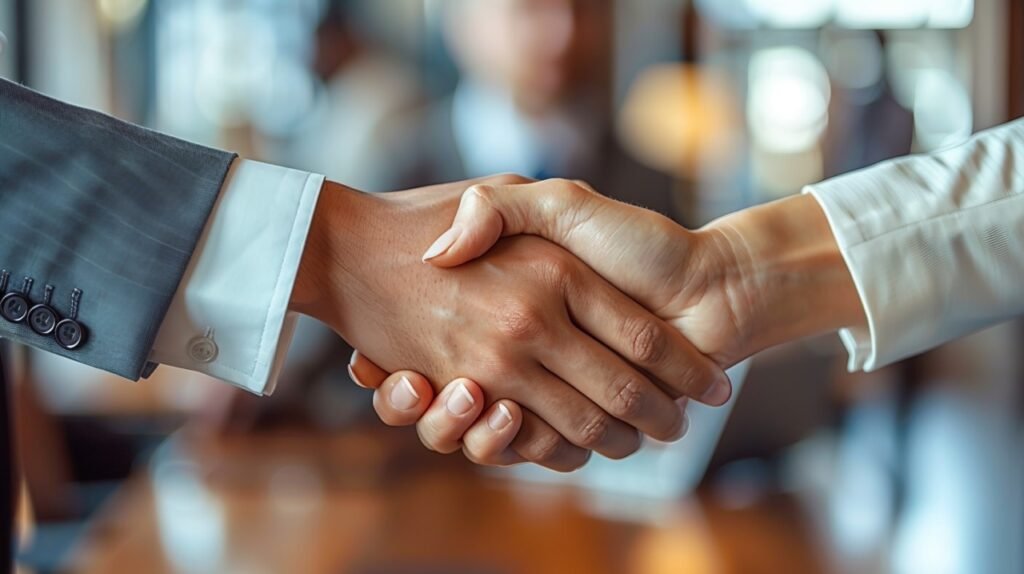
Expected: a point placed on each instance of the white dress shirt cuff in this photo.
(229, 318)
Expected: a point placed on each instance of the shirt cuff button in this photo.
(203, 349)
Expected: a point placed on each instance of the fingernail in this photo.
(718, 393)
(443, 243)
(404, 396)
(460, 401)
(355, 379)
(500, 418)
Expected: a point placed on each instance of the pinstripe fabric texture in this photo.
(94, 203)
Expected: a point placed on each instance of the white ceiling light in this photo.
(788, 103)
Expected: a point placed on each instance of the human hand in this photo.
(745, 282)
(529, 322)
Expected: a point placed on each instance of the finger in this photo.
(615, 386)
(450, 416)
(365, 372)
(402, 398)
(646, 341)
(539, 443)
(489, 440)
(576, 417)
(489, 211)
(683, 404)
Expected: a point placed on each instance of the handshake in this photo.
(550, 321)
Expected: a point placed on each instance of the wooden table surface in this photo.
(372, 502)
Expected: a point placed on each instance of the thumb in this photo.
(488, 212)
(477, 227)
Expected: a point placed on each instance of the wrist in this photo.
(337, 230)
(360, 247)
(786, 274)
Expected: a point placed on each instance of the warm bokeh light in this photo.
(679, 547)
(678, 118)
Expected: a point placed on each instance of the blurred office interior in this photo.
(694, 108)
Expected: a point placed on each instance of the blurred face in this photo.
(538, 50)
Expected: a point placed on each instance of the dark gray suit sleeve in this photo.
(97, 205)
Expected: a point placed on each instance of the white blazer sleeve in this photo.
(229, 317)
(935, 244)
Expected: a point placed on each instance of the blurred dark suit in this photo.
(424, 150)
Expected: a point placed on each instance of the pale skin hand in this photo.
(529, 322)
(746, 282)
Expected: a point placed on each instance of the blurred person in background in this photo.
(364, 84)
(533, 97)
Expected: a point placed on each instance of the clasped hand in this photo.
(566, 362)
(550, 321)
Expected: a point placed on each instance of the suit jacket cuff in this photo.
(229, 317)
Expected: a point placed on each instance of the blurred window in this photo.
(226, 64)
(864, 14)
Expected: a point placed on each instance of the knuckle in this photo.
(647, 342)
(519, 320)
(483, 191)
(628, 400)
(555, 266)
(580, 185)
(594, 432)
(570, 188)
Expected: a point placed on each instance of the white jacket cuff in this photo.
(229, 317)
(933, 243)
